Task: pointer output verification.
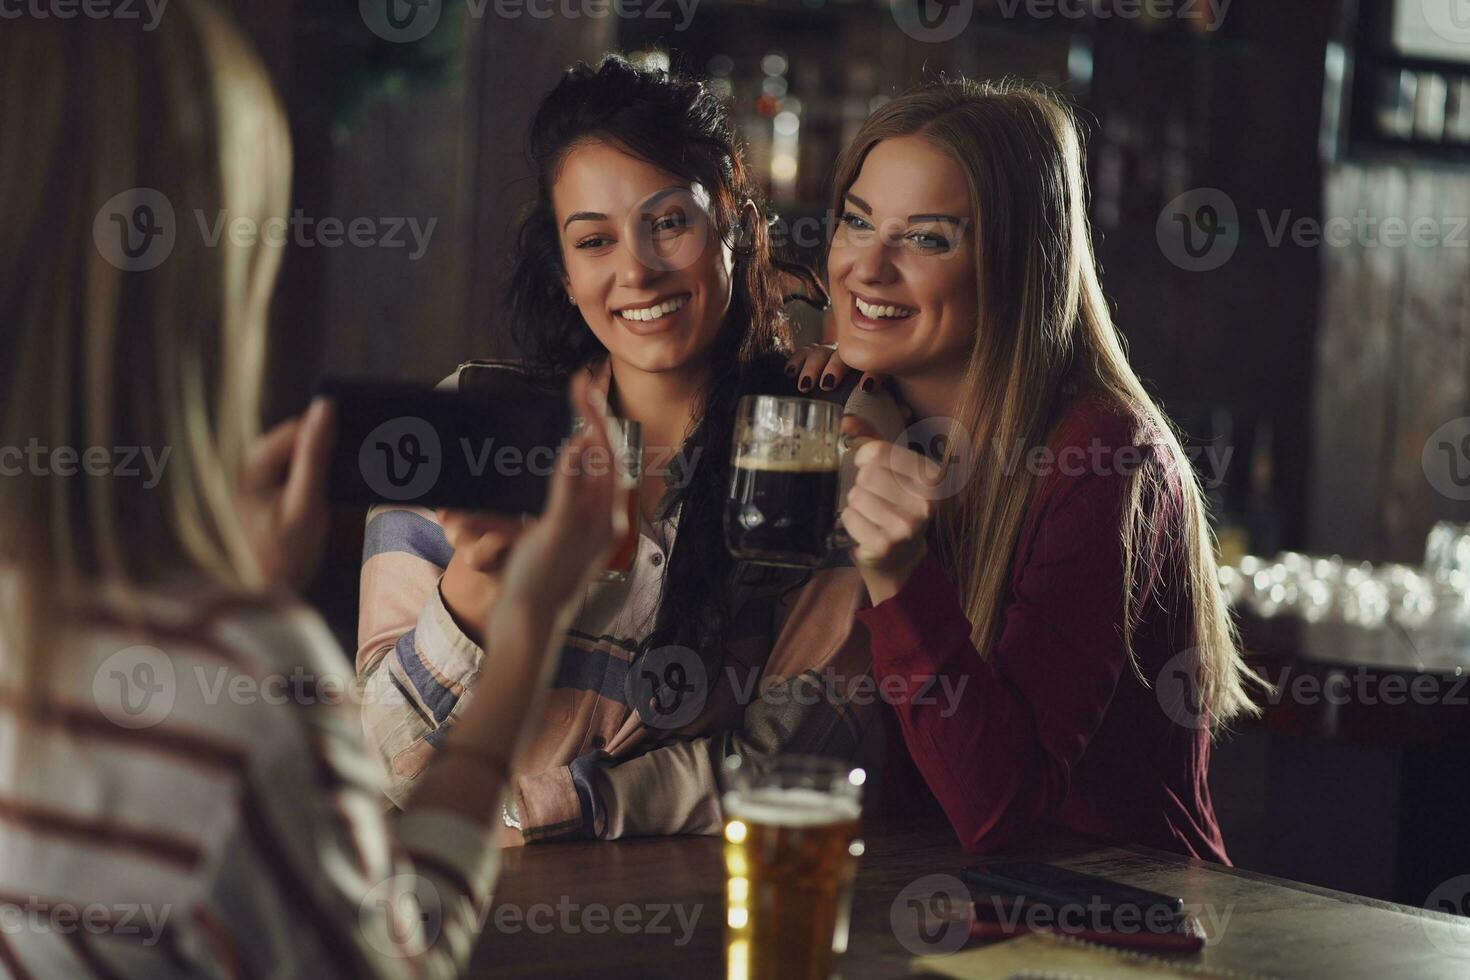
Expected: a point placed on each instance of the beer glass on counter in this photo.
(783, 503)
(791, 852)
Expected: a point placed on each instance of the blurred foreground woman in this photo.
(183, 788)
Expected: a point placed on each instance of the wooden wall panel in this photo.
(1393, 361)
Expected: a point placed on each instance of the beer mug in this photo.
(784, 483)
(791, 852)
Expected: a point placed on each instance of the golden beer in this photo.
(790, 856)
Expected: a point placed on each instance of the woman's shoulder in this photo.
(259, 634)
(1099, 419)
(493, 374)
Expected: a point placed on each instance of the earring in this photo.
(571, 300)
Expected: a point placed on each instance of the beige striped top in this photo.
(193, 798)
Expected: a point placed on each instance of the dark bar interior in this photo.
(636, 488)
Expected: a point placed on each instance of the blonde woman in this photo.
(1054, 560)
(183, 787)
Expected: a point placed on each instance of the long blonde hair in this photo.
(99, 353)
(1044, 329)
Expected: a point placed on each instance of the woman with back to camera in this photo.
(183, 791)
(646, 264)
(1072, 590)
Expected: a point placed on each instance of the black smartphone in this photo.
(1096, 902)
(471, 450)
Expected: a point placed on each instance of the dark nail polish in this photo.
(829, 381)
(791, 371)
(805, 385)
(868, 384)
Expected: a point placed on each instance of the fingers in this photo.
(918, 474)
(833, 373)
(265, 464)
(813, 365)
(858, 430)
(463, 528)
(870, 543)
(883, 483)
(871, 382)
(306, 484)
(586, 487)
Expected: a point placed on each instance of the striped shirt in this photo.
(602, 763)
(193, 798)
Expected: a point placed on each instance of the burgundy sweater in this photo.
(1055, 727)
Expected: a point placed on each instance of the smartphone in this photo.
(468, 449)
(1100, 902)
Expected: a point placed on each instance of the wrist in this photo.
(886, 581)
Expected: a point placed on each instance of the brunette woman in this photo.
(1055, 557)
(644, 263)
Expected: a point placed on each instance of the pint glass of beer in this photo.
(783, 502)
(791, 850)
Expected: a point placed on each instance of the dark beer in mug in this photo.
(783, 502)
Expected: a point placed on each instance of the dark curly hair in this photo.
(676, 125)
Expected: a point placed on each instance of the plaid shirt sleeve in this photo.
(804, 703)
(413, 662)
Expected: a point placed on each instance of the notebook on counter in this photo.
(1045, 956)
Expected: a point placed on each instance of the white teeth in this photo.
(882, 312)
(655, 312)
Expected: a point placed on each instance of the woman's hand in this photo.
(283, 496)
(819, 366)
(888, 509)
(481, 543)
(585, 515)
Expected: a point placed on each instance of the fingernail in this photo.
(791, 370)
(806, 385)
(829, 381)
(868, 384)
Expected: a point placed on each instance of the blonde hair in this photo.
(98, 356)
(1044, 325)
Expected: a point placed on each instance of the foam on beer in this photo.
(791, 807)
(789, 455)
